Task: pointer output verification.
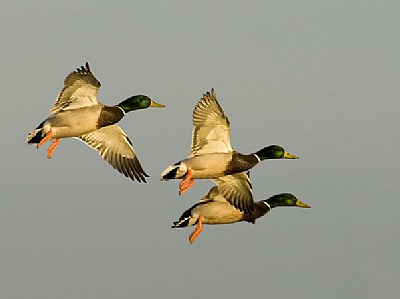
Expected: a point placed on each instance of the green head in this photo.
(285, 200)
(138, 102)
(274, 152)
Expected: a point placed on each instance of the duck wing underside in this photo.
(80, 90)
(237, 190)
(211, 132)
(115, 147)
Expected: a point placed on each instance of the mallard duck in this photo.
(214, 209)
(212, 156)
(77, 113)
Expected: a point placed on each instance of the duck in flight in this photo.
(214, 209)
(77, 113)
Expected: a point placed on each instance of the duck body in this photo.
(213, 212)
(211, 166)
(213, 209)
(77, 113)
(77, 122)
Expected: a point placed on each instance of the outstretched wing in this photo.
(237, 190)
(115, 147)
(80, 90)
(211, 132)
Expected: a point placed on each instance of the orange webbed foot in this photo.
(45, 139)
(52, 148)
(193, 236)
(186, 183)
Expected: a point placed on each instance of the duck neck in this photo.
(240, 163)
(272, 203)
(260, 209)
(110, 116)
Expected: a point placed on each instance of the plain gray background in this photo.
(320, 78)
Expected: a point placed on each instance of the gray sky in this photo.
(320, 78)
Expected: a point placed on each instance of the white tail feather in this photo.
(33, 134)
(176, 171)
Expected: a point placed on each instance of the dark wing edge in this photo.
(237, 190)
(128, 166)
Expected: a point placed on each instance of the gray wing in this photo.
(237, 190)
(115, 147)
(211, 132)
(80, 90)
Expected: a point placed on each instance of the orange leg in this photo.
(186, 187)
(46, 138)
(193, 236)
(186, 183)
(52, 148)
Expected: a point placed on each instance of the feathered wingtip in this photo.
(84, 69)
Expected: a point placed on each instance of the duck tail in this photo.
(36, 135)
(176, 171)
(187, 219)
(183, 222)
